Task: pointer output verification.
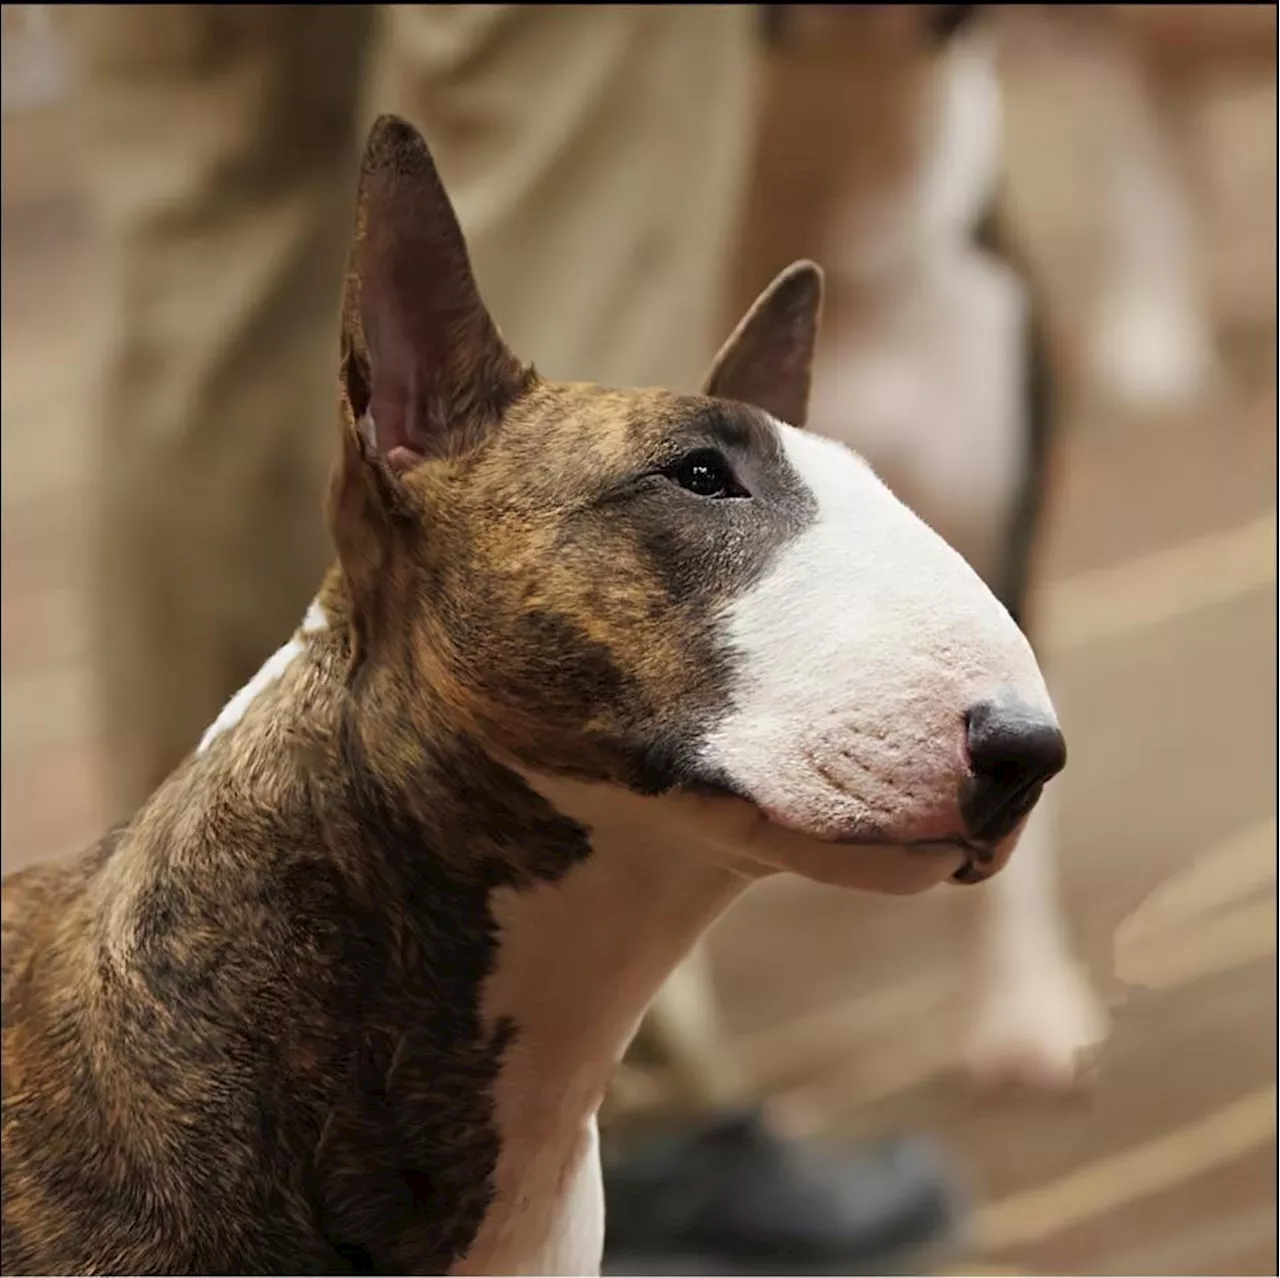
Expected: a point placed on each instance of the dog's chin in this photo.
(895, 869)
(892, 867)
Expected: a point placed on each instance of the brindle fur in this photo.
(243, 1034)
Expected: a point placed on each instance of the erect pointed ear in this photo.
(425, 372)
(424, 369)
(768, 362)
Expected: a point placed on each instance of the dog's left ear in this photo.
(425, 372)
(423, 363)
(768, 362)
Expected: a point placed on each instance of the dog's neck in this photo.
(577, 964)
(580, 958)
(534, 919)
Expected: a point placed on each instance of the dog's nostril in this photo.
(1012, 745)
(1013, 751)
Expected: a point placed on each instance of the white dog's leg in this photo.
(1036, 1015)
(1150, 347)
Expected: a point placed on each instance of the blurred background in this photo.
(1156, 600)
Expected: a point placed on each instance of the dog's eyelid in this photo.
(732, 428)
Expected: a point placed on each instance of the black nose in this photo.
(1013, 751)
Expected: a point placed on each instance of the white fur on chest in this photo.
(554, 1226)
(578, 961)
(575, 1239)
(547, 1214)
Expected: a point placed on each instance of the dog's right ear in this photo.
(768, 361)
(425, 372)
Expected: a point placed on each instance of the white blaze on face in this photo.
(859, 654)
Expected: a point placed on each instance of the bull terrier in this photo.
(346, 992)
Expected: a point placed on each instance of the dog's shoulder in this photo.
(36, 896)
(148, 1059)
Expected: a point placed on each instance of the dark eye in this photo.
(706, 474)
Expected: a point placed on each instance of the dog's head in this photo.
(681, 596)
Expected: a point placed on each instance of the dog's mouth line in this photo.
(977, 853)
(977, 856)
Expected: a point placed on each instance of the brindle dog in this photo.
(345, 994)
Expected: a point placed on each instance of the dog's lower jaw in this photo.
(889, 869)
(766, 844)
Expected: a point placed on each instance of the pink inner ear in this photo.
(401, 458)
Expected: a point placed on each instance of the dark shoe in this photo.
(733, 1197)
